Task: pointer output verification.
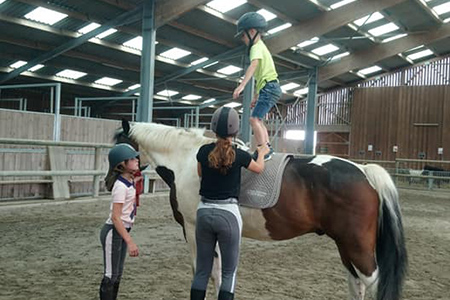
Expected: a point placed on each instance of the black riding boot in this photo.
(116, 289)
(197, 294)
(106, 289)
(225, 295)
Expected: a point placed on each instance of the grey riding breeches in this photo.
(217, 223)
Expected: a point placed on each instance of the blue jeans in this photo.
(268, 97)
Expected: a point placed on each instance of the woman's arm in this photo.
(117, 221)
(199, 169)
(258, 165)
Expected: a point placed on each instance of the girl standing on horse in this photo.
(114, 236)
(218, 216)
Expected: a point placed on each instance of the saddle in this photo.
(262, 190)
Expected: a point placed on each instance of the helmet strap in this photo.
(251, 40)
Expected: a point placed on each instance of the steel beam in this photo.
(120, 20)
(326, 22)
(246, 130)
(145, 103)
(168, 10)
(311, 113)
(379, 52)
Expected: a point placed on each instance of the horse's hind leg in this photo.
(216, 272)
(356, 287)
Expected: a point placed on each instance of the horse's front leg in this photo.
(216, 272)
(356, 287)
(192, 246)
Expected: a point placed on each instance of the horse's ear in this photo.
(126, 126)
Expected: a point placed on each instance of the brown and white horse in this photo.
(355, 205)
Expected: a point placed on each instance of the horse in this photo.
(355, 205)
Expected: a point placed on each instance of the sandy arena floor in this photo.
(53, 252)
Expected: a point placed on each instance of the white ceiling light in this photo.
(185, 102)
(167, 93)
(301, 92)
(266, 14)
(106, 33)
(325, 49)
(341, 3)
(395, 37)
(1, 1)
(341, 55)
(279, 28)
(308, 42)
(233, 104)
(211, 64)
(229, 70)
(133, 87)
(225, 5)
(199, 61)
(135, 43)
(369, 70)
(191, 97)
(18, 64)
(442, 9)
(289, 86)
(89, 28)
(108, 81)
(45, 15)
(383, 29)
(71, 74)
(447, 20)
(36, 67)
(209, 101)
(369, 19)
(420, 54)
(175, 53)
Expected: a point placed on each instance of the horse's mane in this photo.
(161, 137)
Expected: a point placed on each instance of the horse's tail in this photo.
(391, 253)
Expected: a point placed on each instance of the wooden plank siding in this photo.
(401, 116)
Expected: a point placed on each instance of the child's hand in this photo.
(263, 149)
(133, 249)
(237, 92)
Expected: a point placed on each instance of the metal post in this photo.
(52, 98)
(197, 116)
(97, 164)
(275, 137)
(75, 112)
(192, 118)
(80, 107)
(57, 120)
(133, 111)
(311, 113)
(246, 130)
(145, 103)
(25, 103)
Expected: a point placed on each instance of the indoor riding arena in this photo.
(362, 81)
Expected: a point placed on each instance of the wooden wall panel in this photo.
(416, 119)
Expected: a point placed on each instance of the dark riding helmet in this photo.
(225, 122)
(120, 153)
(250, 20)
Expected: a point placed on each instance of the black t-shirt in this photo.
(215, 185)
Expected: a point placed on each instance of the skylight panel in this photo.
(191, 97)
(229, 70)
(442, 9)
(266, 14)
(35, 68)
(89, 28)
(225, 5)
(133, 87)
(18, 64)
(108, 81)
(341, 55)
(135, 43)
(301, 92)
(167, 93)
(106, 33)
(383, 29)
(211, 64)
(233, 104)
(279, 28)
(308, 42)
(289, 86)
(341, 3)
(369, 19)
(447, 20)
(369, 70)
(325, 49)
(199, 61)
(185, 102)
(420, 54)
(1, 1)
(45, 15)
(71, 74)
(175, 53)
(395, 37)
(209, 100)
